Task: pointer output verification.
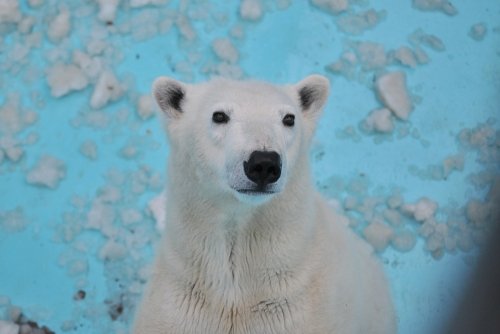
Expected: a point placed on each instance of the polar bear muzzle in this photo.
(263, 168)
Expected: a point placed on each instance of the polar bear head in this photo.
(243, 138)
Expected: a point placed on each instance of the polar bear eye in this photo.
(289, 120)
(220, 117)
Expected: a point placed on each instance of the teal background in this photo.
(457, 89)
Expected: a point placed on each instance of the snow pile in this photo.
(107, 89)
(60, 26)
(356, 24)
(47, 172)
(391, 89)
(251, 10)
(13, 220)
(333, 6)
(64, 79)
(435, 5)
(478, 31)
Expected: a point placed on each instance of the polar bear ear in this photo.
(313, 92)
(169, 95)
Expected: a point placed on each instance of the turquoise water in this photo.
(75, 230)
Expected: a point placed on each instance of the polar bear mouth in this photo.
(255, 192)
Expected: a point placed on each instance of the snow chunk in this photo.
(334, 6)
(112, 250)
(356, 24)
(251, 10)
(225, 50)
(59, 27)
(405, 56)
(423, 210)
(107, 89)
(63, 79)
(157, 208)
(89, 149)
(419, 37)
(7, 327)
(13, 220)
(378, 120)
(435, 5)
(453, 162)
(130, 216)
(91, 66)
(404, 241)
(35, 3)
(11, 148)
(145, 107)
(101, 217)
(143, 3)
(371, 55)
(478, 31)
(107, 10)
(478, 212)
(185, 28)
(391, 89)
(77, 267)
(9, 11)
(13, 118)
(378, 235)
(48, 172)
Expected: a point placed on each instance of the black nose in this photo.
(263, 167)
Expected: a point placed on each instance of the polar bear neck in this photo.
(223, 241)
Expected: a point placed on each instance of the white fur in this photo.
(266, 263)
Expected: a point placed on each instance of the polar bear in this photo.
(250, 246)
